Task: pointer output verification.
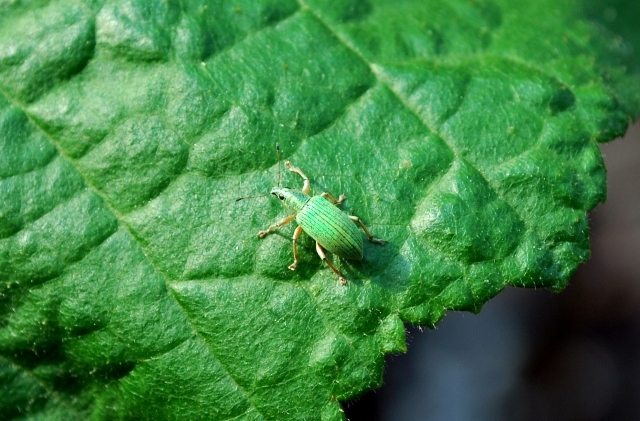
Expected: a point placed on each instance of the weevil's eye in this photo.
(281, 197)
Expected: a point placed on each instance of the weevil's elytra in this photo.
(319, 217)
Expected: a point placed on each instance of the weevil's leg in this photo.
(296, 235)
(306, 187)
(323, 256)
(335, 201)
(366, 231)
(277, 225)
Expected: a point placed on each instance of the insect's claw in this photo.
(342, 280)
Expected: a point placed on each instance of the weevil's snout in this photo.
(292, 199)
(277, 192)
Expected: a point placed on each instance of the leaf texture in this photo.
(133, 287)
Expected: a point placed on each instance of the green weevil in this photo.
(319, 217)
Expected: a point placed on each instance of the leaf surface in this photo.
(132, 286)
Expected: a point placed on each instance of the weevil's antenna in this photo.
(279, 178)
(250, 197)
(279, 171)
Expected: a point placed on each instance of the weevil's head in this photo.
(294, 200)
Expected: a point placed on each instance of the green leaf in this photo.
(132, 286)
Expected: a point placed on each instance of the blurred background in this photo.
(531, 354)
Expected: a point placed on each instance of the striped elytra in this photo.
(331, 227)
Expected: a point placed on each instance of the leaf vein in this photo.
(152, 263)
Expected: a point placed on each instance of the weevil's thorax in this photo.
(293, 200)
